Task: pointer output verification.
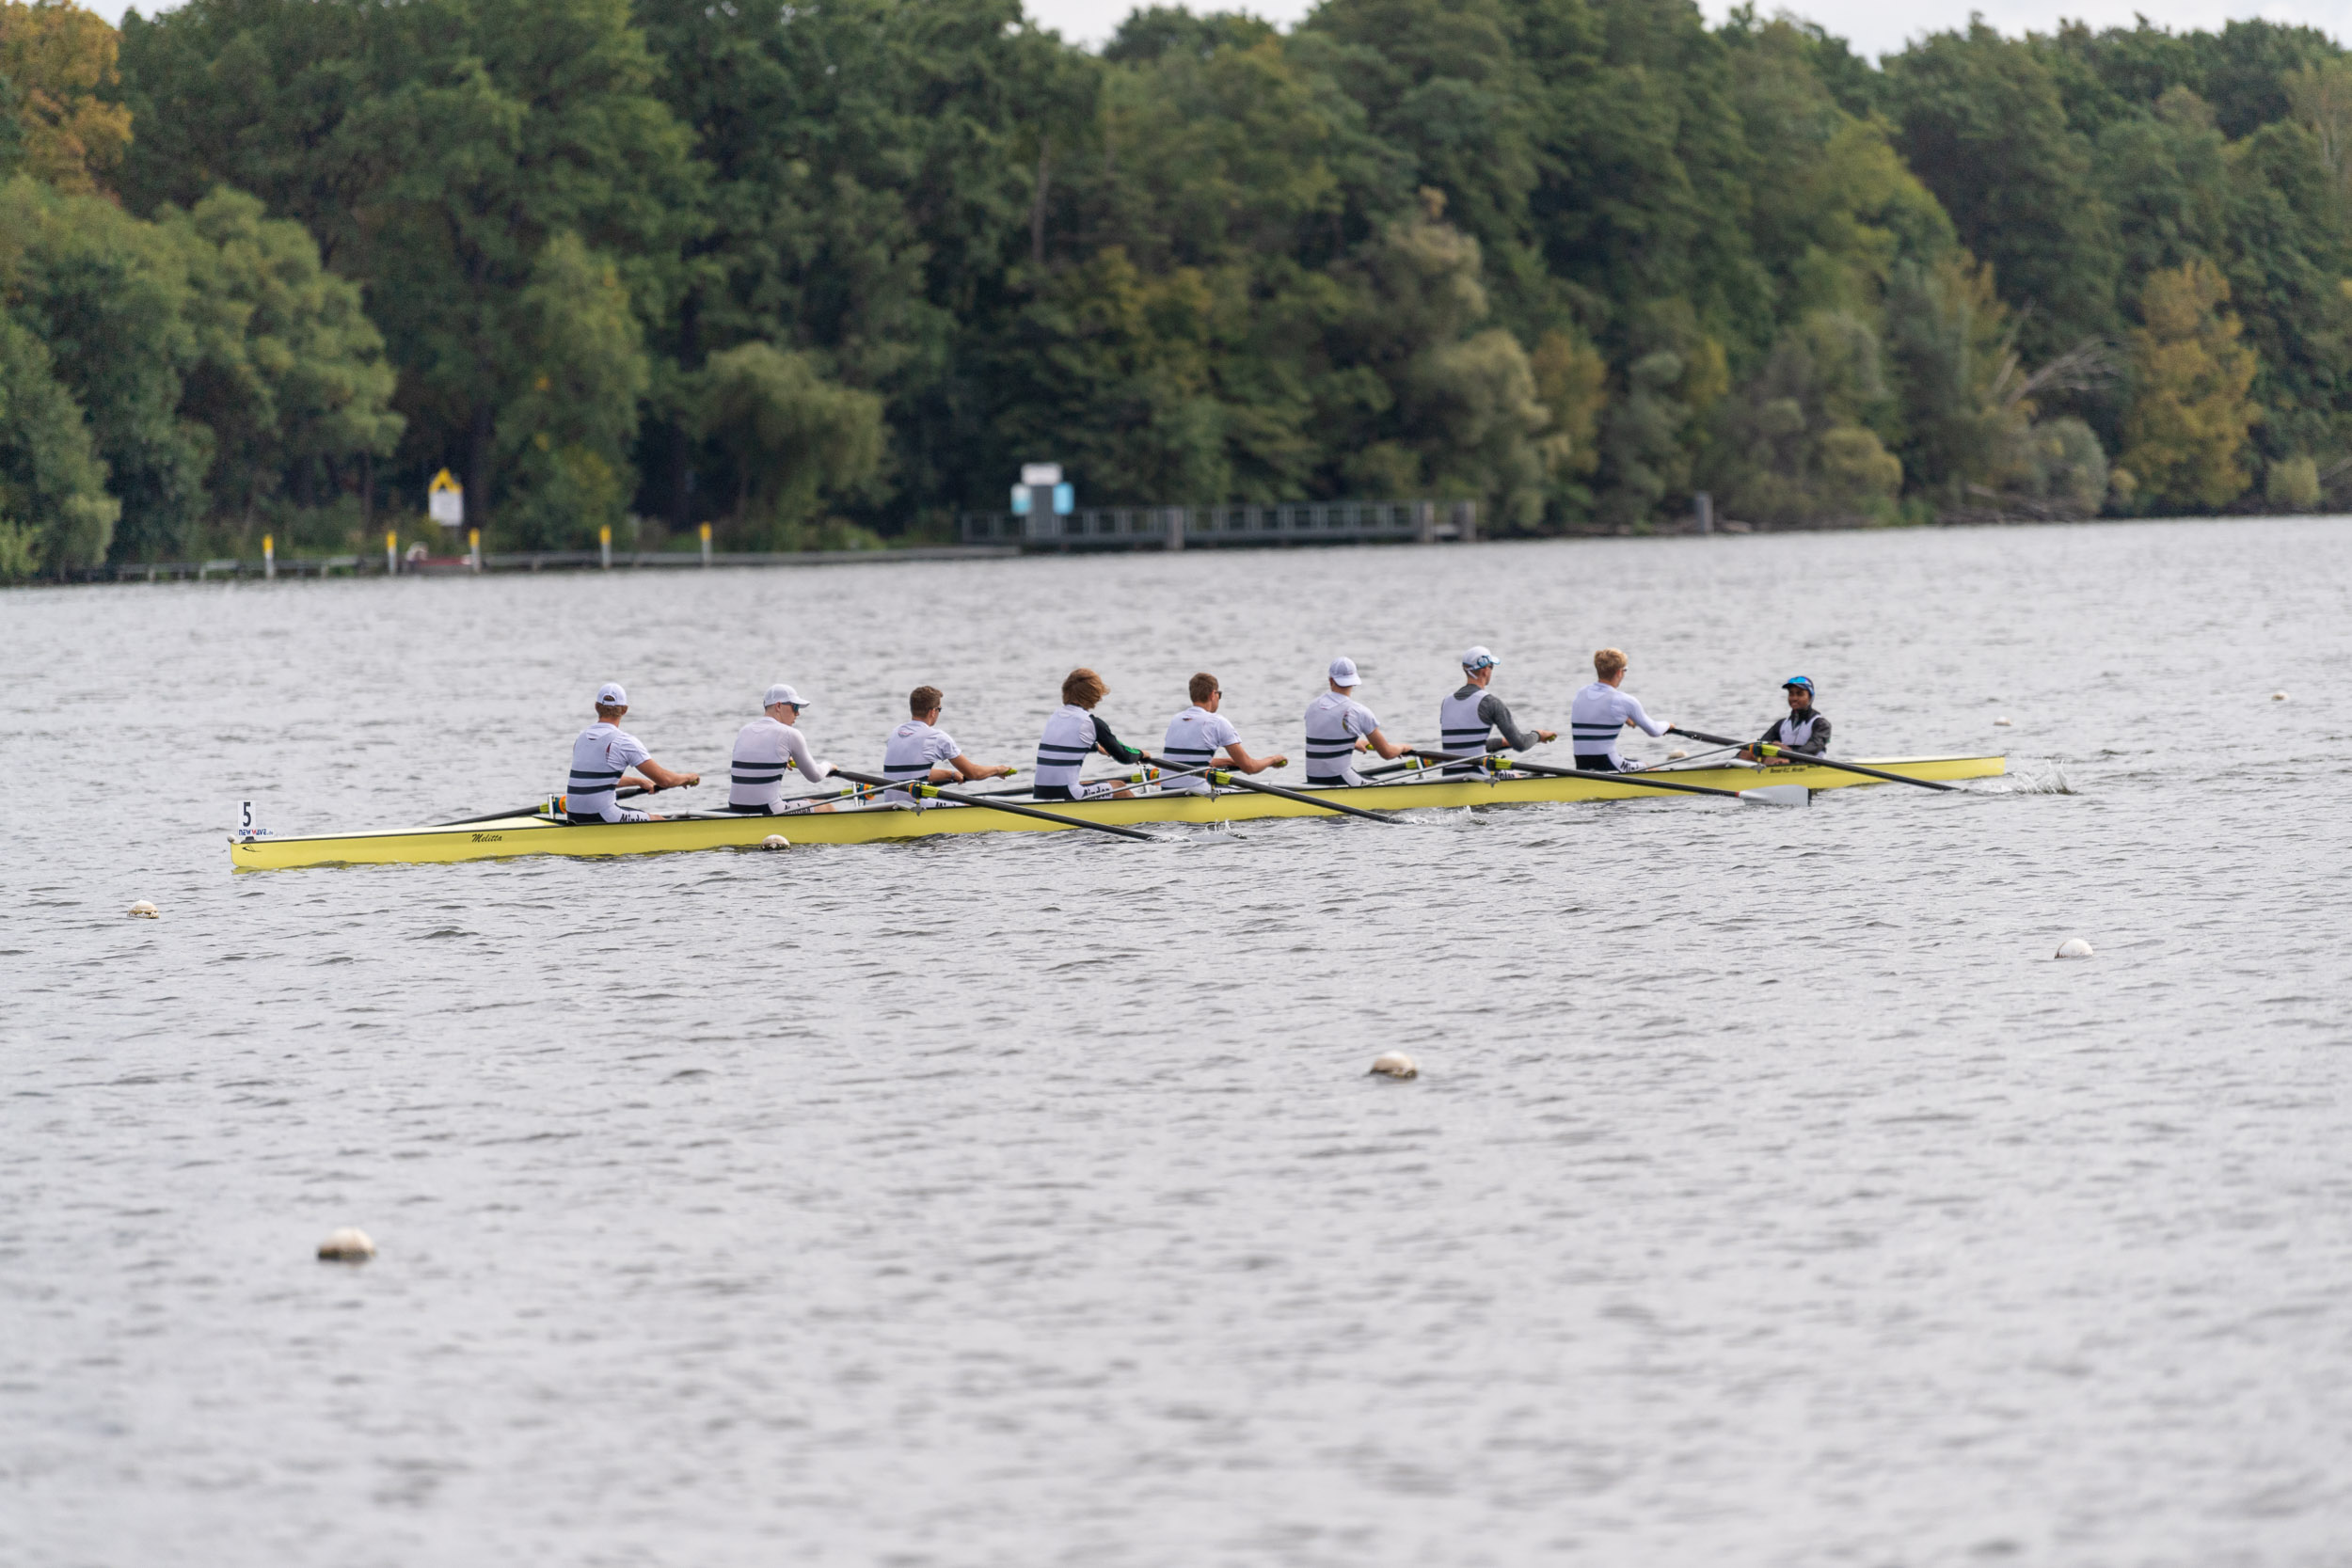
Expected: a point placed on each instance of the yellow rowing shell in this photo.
(866, 824)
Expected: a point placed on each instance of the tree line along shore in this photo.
(825, 276)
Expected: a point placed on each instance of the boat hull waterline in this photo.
(869, 824)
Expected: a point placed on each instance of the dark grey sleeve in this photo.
(1496, 712)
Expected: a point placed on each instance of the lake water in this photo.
(1769, 1195)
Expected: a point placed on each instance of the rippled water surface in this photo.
(1768, 1194)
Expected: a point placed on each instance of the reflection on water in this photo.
(1768, 1194)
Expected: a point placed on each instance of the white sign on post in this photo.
(445, 501)
(1046, 475)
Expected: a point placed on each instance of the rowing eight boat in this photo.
(865, 824)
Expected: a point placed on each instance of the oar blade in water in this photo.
(1778, 795)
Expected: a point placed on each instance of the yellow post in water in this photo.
(473, 542)
(705, 544)
(392, 553)
(269, 559)
(604, 542)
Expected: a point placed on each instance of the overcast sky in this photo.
(1873, 26)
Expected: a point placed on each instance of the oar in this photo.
(1120, 779)
(1239, 782)
(1417, 761)
(532, 810)
(1805, 757)
(1769, 795)
(960, 798)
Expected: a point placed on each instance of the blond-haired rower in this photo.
(1603, 711)
(1201, 737)
(1073, 734)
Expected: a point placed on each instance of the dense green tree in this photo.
(1797, 441)
(110, 297)
(437, 148)
(288, 372)
(793, 437)
(1982, 125)
(575, 352)
(1567, 256)
(54, 511)
(2186, 437)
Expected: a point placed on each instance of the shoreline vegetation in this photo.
(821, 279)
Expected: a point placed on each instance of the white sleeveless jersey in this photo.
(1062, 750)
(756, 768)
(599, 756)
(1193, 737)
(1334, 721)
(1459, 728)
(915, 750)
(1794, 734)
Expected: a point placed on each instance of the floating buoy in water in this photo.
(2000, 723)
(1677, 755)
(348, 1245)
(145, 910)
(2278, 696)
(775, 841)
(2075, 947)
(1395, 1064)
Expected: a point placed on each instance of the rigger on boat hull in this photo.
(869, 824)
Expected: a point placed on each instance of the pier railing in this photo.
(1177, 527)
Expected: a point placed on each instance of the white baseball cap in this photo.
(610, 695)
(1343, 671)
(1477, 659)
(782, 693)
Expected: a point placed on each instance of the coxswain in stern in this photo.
(1201, 737)
(1601, 712)
(602, 757)
(764, 749)
(920, 751)
(1467, 721)
(1338, 726)
(1073, 734)
(1803, 731)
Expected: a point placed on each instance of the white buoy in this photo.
(1677, 755)
(1395, 1064)
(2000, 723)
(2278, 696)
(145, 910)
(775, 841)
(2075, 947)
(348, 1245)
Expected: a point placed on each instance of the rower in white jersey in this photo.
(1467, 721)
(1601, 712)
(920, 750)
(1803, 731)
(601, 759)
(1073, 734)
(1338, 726)
(764, 749)
(1201, 737)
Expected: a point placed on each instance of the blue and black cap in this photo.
(1798, 683)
